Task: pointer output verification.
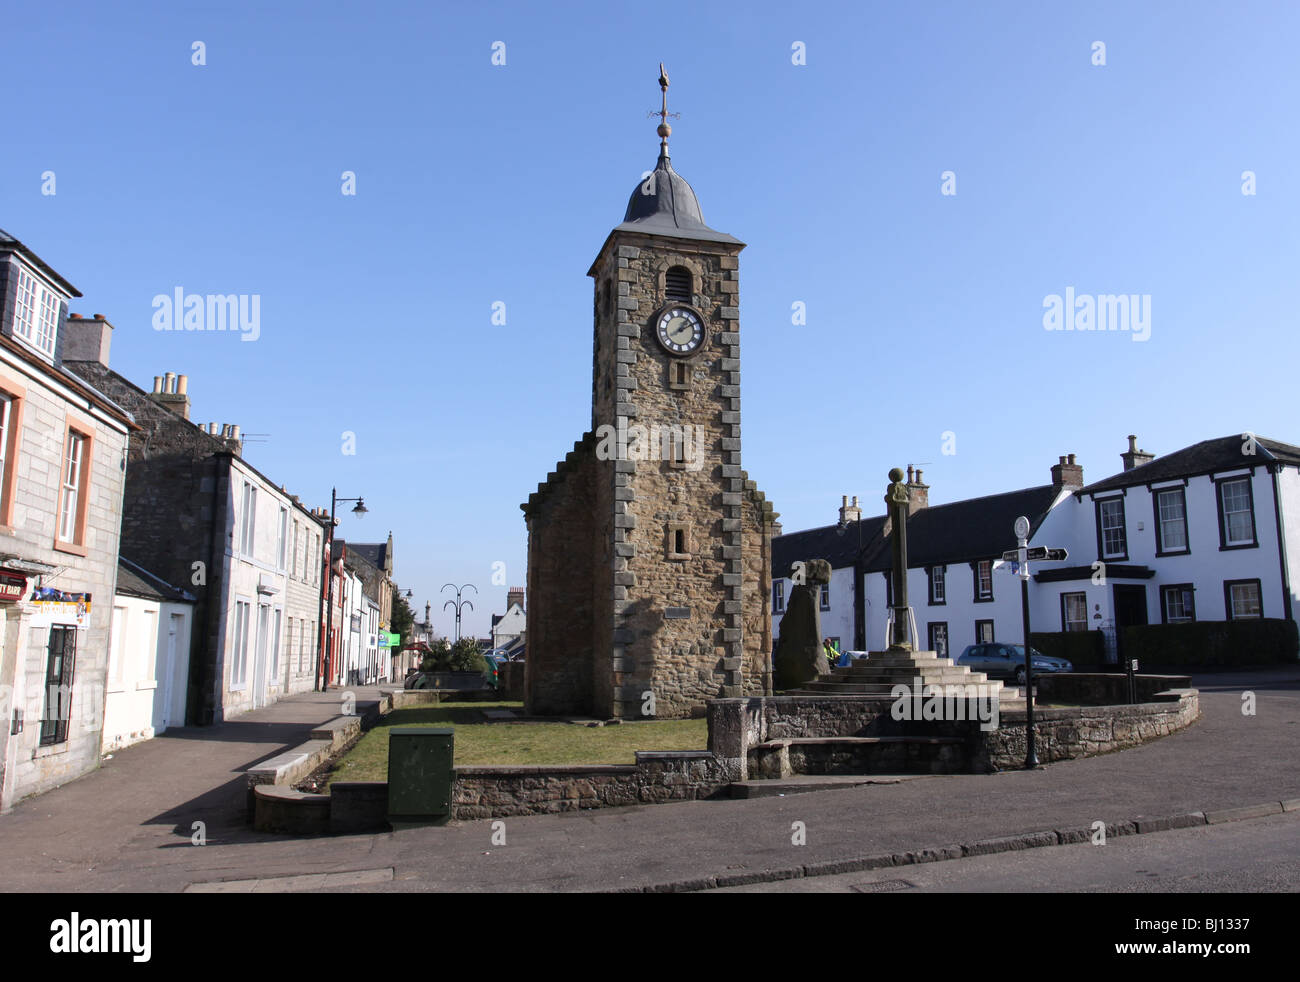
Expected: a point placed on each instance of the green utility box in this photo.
(420, 776)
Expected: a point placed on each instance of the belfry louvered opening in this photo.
(678, 284)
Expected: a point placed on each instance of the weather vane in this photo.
(665, 131)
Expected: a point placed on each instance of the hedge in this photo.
(1082, 649)
(1259, 641)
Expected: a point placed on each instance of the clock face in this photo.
(680, 330)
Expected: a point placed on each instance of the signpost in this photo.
(1021, 555)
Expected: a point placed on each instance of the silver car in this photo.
(1007, 661)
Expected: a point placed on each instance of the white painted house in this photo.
(148, 658)
(257, 666)
(1209, 532)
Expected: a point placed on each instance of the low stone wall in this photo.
(738, 725)
(1063, 734)
(410, 698)
(1110, 689)
(501, 792)
(492, 792)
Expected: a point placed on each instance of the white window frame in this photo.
(70, 487)
(1232, 600)
(778, 597)
(1080, 597)
(277, 616)
(239, 647)
(1248, 511)
(1106, 551)
(282, 539)
(36, 312)
(938, 584)
(824, 598)
(248, 520)
(6, 416)
(984, 579)
(1180, 522)
(1182, 592)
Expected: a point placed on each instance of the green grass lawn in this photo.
(479, 742)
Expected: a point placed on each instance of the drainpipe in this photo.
(1281, 544)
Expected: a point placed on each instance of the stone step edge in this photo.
(981, 847)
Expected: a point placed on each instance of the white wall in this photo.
(148, 669)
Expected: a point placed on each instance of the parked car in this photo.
(1007, 661)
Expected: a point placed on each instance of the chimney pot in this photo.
(100, 317)
(74, 317)
(170, 387)
(1070, 459)
(157, 384)
(182, 384)
(1132, 443)
(234, 431)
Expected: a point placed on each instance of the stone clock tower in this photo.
(649, 550)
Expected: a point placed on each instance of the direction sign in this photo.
(387, 640)
(1036, 553)
(1043, 553)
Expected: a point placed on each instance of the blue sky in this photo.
(479, 183)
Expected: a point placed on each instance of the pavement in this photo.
(128, 826)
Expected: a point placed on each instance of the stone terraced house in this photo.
(63, 446)
(199, 516)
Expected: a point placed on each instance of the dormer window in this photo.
(36, 312)
(678, 284)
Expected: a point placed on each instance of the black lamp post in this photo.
(323, 677)
(458, 603)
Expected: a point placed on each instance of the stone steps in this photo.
(803, 783)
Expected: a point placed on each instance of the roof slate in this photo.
(1208, 456)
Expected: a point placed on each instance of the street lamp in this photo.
(323, 677)
(458, 603)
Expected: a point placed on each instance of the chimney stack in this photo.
(1067, 474)
(1133, 457)
(918, 491)
(515, 595)
(849, 512)
(167, 393)
(87, 340)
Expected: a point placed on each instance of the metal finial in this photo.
(665, 131)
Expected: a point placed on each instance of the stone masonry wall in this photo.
(562, 577)
(683, 661)
(24, 645)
